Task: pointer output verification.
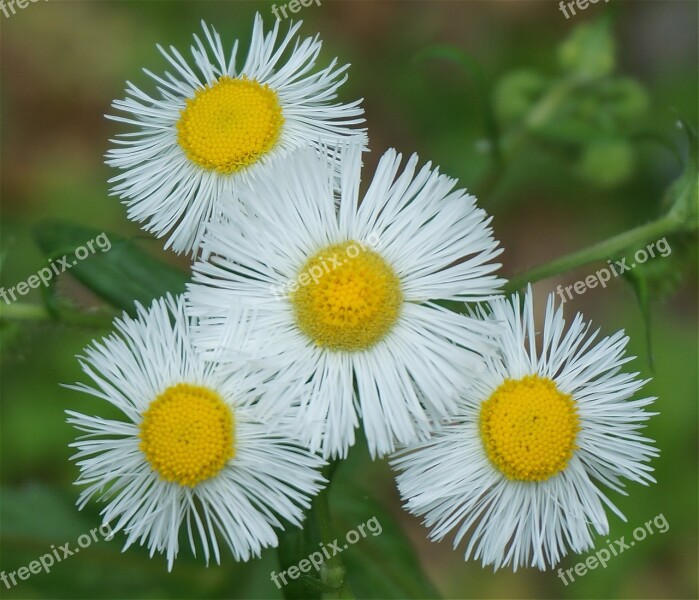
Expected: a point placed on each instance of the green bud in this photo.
(626, 99)
(589, 51)
(606, 163)
(515, 94)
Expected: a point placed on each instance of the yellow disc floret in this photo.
(187, 434)
(228, 125)
(348, 297)
(529, 427)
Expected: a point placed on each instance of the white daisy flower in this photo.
(193, 448)
(213, 124)
(517, 472)
(345, 290)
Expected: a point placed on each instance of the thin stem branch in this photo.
(18, 311)
(24, 312)
(600, 251)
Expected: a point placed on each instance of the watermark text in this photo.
(581, 4)
(316, 559)
(323, 265)
(60, 265)
(294, 7)
(618, 267)
(615, 548)
(56, 555)
(11, 4)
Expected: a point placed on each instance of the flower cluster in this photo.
(234, 397)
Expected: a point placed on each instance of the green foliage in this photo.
(516, 94)
(683, 196)
(123, 275)
(37, 519)
(576, 111)
(589, 52)
(606, 163)
(379, 566)
(585, 113)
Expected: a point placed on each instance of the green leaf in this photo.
(639, 283)
(36, 519)
(683, 195)
(379, 565)
(117, 270)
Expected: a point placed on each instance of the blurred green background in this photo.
(454, 81)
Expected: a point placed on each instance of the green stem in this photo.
(24, 312)
(332, 572)
(600, 251)
(18, 311)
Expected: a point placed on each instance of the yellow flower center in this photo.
(348, 297)
(187, 434)
(529, 427)
(229, 124)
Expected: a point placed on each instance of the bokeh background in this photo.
(438, 78)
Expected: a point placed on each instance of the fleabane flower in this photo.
(193, 449)
(519, 472)
(345, 292)
(213, 123)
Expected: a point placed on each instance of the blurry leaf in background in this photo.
(36, 519)
(682, 197)
(121, 274)
(383, 565)
(481, 83)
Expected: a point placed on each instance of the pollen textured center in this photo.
(228, 125)
(347, 298)
(187, 434)
(529, 428)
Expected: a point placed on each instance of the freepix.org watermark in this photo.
(316, 559)
(8, 8)
(615, 548)
(60, 265)
(324, 265)
(581, 4)
(604, 275)
(294, 6)
(56, 555)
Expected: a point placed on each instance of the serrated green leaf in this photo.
(121, 274)
(683, 195)
(639, 283)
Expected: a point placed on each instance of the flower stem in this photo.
(19, 311)
(24, 312)
(332, 572)
(600, 251)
